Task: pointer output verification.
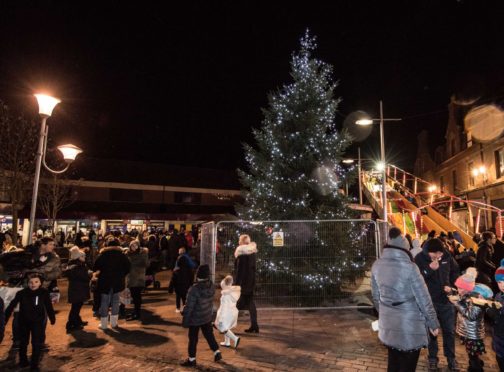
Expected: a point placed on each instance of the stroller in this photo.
(150, 273)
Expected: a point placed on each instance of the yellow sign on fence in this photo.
(278, 239)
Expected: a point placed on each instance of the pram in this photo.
(150, 273)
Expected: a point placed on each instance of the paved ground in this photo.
(289, 341)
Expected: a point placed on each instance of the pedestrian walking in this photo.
(182, 278)
(34, 307)
(139, 260)
(111, 268)
(245, 268)
(198, 315)
(227, 315)
(78, 275)
(406, 312)
(439, 269)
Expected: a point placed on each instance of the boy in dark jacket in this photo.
(78, 287)
(198, 314)
(34, 306)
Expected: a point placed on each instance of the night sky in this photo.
(184, 84)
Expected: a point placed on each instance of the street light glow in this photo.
(432, 188)
(348, 161)
(364, 122)
(482, 169)
(69, 152)
(46, 104)
(380, 166)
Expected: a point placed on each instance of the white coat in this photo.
(227, 315)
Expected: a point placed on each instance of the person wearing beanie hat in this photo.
(499, 274)
(402, 299)
(440, 270)
(497, 318)
(197, 314)
(470, 319)
(78, 275)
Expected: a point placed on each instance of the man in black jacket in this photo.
(440, 271)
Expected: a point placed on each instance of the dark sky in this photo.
(184, 84)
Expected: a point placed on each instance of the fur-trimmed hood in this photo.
(246, 249)
(112, 248)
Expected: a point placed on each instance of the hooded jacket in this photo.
(198, 309)
(436, 280)
(227, 315)
(113, 266)
(139, 261)
(78, 281)
(245, 267)
(402, 300)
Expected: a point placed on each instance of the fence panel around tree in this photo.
(303, 264)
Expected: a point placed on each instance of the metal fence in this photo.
(300, 264)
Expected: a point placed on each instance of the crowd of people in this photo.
(421, 290)
(113, 270)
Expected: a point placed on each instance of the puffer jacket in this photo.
(49, 265)
(470, 319)
(139, 262)
(402, 300)
(198, 309)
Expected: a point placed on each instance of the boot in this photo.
(113, 321)
(232, 336)
(226, 341)
(103, 323)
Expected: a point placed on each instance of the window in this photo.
(470, 167)
(441, 184)
(187, 198)
(454, 181)
(499, 163)
(126, 195)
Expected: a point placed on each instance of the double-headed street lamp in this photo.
(70, 152)
(369, 121)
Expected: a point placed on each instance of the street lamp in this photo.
(46, 106)
(369, 121)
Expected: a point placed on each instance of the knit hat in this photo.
(499, 273)
(468, 280)
(203, 272)
(483, 290)
(76, 253)
(435, 245)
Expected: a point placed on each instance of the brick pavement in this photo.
(289, 341)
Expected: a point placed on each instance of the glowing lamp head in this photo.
(475, 172)
(380, 166)
(46, 104)
(432, 188)
(69, 152)
(482, 169)
(364, 122)
(348, 161)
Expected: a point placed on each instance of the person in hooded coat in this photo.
(139, 259)
(406, 312)
(182, 278)
(227, 315)
(245, 269)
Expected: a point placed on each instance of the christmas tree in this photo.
(295, 171)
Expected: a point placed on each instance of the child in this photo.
(78, 287)
(227, 315)
(470, 319)
(34, 306)
(497, 317)
(198, 314)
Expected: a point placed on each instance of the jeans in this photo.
(36, 330)
(109, 299)
(74, 318)
(136, 296)
(180, 296)
(207, 331)
(402, 361)
(446, 316)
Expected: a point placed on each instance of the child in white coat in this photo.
(227, 315)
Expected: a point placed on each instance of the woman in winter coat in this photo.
(484, 263)
(245, 269)
(227, 315)
(139, 259)
(182, 278)
(406, 312)
(78, 276)
(111, 268)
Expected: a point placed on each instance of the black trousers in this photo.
(37, 332)
(446, 316)
(96, 301)
(500, 362)
(207, 331)
(180, 296)
(136, 296)
(402, 361)
(246, 302)
(74, 318)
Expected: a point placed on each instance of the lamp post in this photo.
(381, 120)
(46, 106)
